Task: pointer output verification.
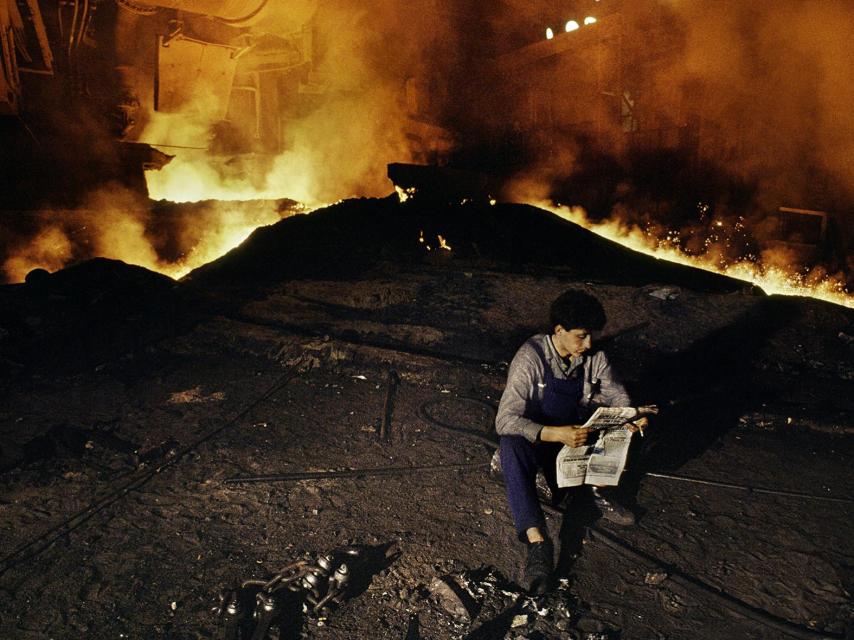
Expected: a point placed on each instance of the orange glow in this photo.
(227, 230)
(404, 194)
(194, 176)
(770, 278)
(51, 249)
(114, 225)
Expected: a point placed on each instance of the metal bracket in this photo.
(176, 30)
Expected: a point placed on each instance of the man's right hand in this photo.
(570, 435)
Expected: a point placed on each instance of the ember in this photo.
(814, 283)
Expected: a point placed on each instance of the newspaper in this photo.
(601, 463)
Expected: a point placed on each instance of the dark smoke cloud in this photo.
(777, 80)
(768, 87)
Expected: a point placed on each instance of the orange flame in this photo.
(121, 229)
(194, 176)
(51, 249)
(770, 278)
(227, 232)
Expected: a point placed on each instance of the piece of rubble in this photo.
(448, 598)
(655, 577)
(590, 626)
(193, 396)
(670, 602)
(519, 621)
(665, 293)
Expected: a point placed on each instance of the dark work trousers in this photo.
(520, 458)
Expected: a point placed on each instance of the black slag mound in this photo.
(347, 238)
(84, 315)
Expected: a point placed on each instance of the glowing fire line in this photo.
(771, 280)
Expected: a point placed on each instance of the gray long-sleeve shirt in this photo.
(526, 381)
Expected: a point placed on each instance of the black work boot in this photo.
(610, 509)
(539, 567)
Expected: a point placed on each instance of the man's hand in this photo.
(570, 435)
(640, 424)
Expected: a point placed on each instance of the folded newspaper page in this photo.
(601, 463)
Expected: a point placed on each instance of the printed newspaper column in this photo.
(601, 463)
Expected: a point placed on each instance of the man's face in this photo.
(572, 342)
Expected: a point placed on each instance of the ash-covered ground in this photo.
(129, 399)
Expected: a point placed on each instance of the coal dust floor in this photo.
(439, 559)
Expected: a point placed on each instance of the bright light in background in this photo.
(589, 20)
(572, 25)
(549, 34)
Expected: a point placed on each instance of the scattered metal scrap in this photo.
(488, 605)
(251, 610)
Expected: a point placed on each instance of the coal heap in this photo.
(85, 314)
(350, 237)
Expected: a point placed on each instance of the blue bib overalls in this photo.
(521, 458)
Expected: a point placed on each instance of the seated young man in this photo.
(554, 382)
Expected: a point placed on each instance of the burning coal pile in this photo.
(100, 309)
(714, 135)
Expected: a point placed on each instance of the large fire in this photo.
(814, 283)
(131, 233)
(191, 177)
(113, 231)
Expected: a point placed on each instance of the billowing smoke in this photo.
(338, 147)
(118, 223)
(777, 83)
(731, 110)
(687, 121)
(352, 122)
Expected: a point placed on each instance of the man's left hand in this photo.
(638, 425)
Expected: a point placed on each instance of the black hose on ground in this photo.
(745, 487)
(425, 412)
(727, 601)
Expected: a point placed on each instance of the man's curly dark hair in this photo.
(577, 310)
